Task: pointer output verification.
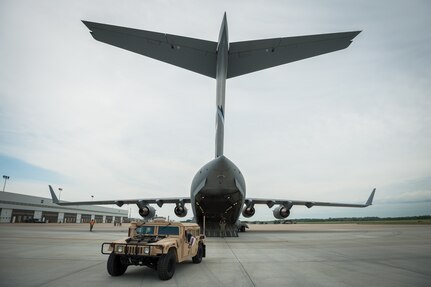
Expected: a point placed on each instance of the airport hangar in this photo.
(15, 208)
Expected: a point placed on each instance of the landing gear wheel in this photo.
(198, 257)
(166, 265)
(114, 266)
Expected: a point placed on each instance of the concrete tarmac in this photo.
(267, 255)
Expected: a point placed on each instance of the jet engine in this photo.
(147, 211)
(248, 211)
(180, 210)
(281, 212)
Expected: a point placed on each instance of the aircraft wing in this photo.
(192, 54)
(289, 203)
(158, 201)
(251, 56)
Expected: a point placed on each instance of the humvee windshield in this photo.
(169, 230)
(143, 230)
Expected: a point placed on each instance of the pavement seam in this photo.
(66, 275)
(240, 263)
(401, 268)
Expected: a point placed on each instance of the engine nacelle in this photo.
(180, 211)
(281, 212)
(248, 211)
(147, 211)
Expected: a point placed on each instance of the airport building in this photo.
(15, 208)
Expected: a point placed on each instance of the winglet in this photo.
(53, 196)
(370, 199)
(88, 24)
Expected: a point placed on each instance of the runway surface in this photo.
(267, 255)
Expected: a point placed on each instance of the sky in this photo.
(97, 120)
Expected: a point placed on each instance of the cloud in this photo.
(411, 191)
(22, 171)
(115, 124)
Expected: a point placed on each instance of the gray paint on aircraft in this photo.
(218, 189)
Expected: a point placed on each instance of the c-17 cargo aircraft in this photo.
(218, 191)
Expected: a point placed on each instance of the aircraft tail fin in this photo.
(251, 56)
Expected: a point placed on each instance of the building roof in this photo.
(22, 201)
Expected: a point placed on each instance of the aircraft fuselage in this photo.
(218, 191)
(218, 188)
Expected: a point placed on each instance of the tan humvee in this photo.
(158, 244)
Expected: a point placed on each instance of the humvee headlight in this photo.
(146, 250)
(120, 249)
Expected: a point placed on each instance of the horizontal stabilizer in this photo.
(192, 54)
(251, 56)
(200, 56)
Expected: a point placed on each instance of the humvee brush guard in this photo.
(158, 244)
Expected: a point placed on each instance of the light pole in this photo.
(59, 194)
(5, 178)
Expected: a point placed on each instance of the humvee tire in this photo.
(198, 257)
(166, 265)
(114, 266)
